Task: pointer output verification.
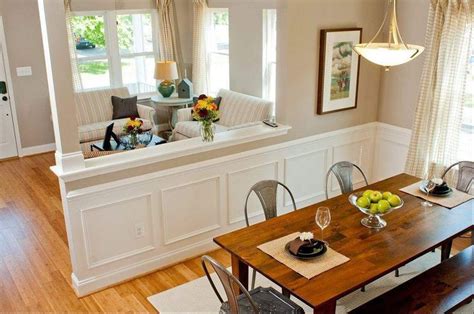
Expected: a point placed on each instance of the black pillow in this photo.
(217, 101)
(124, 107)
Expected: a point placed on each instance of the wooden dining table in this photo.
(412, 230)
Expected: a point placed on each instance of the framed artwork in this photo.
(338, 70)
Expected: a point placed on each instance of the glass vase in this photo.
(207, 131)
(133, 140)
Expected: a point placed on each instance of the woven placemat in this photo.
(454, 199)
(307, 268)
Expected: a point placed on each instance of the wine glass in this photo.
(430, 185)
(323, 218)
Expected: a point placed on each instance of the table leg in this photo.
(171, 114)
(326, 308)
(240, 271)
(446, 249)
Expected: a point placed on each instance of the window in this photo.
(91, 51)
(115, 49)
(269, 54)
(218, 51)
(466, 150)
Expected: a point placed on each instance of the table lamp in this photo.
(166, 72)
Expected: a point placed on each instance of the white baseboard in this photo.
(91, 285)
(40, 149)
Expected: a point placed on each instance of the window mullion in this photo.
(113, 50)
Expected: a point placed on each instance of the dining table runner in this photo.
(307, 268)
(454, 199)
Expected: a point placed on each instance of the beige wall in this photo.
(25, 48)
(297, 90)
(400, 86)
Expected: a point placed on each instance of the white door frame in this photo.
(16, 129)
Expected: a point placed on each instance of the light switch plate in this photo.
(24, 71)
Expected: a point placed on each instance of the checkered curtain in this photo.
(76, 76)
(437, 126)
(169, 43)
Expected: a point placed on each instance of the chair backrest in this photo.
(237, 109)
(229, 282)
(465, 175)
(266, 192)
(96, 106)
(343, 172)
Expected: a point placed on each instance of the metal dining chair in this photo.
(266, 192)
(259, 300)
(464, 184)
(465, 175)
(343, 171)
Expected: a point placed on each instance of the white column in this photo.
(58, 69)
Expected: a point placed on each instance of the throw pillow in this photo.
(217, 101)
(124, 107)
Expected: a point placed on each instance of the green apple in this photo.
(386, 195)
(394, 200)
(363, 202)
(375, 196)
(383, 206)
(367, 193)
(374, 209)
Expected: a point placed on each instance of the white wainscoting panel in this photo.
(183, 209)
(391, 150)
(190, 209)
(359, 153)
(110, 233)
(238, 185)
(307, 182)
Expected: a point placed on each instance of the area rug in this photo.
(197, 296)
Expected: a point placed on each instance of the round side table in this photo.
(172, 104)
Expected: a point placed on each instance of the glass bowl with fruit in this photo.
(375, 204)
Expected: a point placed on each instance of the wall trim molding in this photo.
(39, 149)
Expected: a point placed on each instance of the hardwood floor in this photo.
(35, 270)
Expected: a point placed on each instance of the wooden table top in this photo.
(411, 231)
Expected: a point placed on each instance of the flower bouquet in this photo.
(206, 112)
(133, 128)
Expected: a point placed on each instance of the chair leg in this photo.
(397, 272)
(254, 276)
(446, 250)
(285, 292)
(362, 289)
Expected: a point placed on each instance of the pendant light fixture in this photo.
(392, 52)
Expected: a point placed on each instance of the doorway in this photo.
(8, 143)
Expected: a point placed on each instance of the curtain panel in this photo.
(201, 23)
(436, 130)
(76, 76)
(169, 42)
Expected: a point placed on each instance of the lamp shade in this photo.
(393, 51)
(388, 55)
(166, 71)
